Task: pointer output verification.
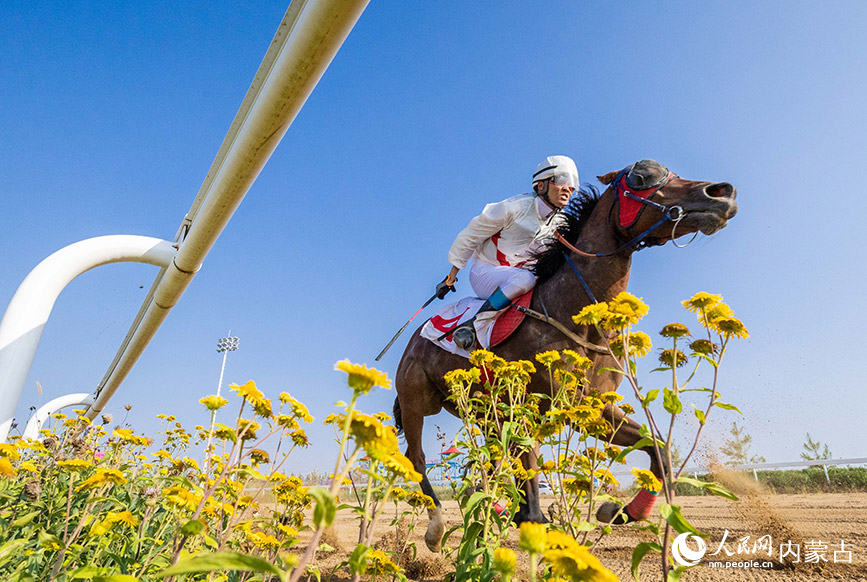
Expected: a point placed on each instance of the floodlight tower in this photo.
(225, 345)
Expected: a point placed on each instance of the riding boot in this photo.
(464, 335)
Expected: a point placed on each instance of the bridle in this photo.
(629, 213)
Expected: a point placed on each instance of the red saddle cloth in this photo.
(509, 321)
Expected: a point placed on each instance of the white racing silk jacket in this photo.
(506, 233)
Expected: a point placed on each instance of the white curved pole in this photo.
(31, 431)
(28, 311)
(308, 38)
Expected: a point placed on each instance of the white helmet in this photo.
(560, 168)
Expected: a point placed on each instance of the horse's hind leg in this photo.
(413, 423)
(642, 505)
(529, 509)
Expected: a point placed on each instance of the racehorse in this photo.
(643, 205)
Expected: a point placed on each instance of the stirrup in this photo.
(465, 336)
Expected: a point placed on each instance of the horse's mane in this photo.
(550, 258)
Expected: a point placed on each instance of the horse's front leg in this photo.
(626, 436)
(529, 509)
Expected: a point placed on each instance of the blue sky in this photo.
(112, 113)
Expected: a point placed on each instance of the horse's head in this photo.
(654, 205)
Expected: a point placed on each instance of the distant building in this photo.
(445, 470)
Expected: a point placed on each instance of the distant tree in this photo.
(737, 448)
(815, 451)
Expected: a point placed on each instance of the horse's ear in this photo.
(608, 178)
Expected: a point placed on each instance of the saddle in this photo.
(492, 327)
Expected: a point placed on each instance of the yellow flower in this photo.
(398, 493)
(285, 421)
(610, 397)
(482, 358)
(593, 314)
(548, 358)
(100, 528)
(361, 378)
(701, 301)
(123, 517)
(126, 435)
(262, 407)
(532, 537)
(28, 466)
(162, 454)
(577, 360)
(639, 344)
(251, 428)
(730, 326)
(191, 463)
(703, 346)
(299, 437)
(265, 541)
(289, 532)
(646, 480)
(6, 468)
(463, 377)
(213, 402)
(625, 309)
(378, 441)
(9, 451)
(418, 499)
(247, 391)
(378, 564)
(673, 358)
(578, 564)
(576, 485)
(101, 477)
(182, 498)
(382, 416)
(259, 456)
(74, 465)
(505, 561)
(674, 330)
(398, 465)
(299, 411)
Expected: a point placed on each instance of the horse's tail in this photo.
(398, 421)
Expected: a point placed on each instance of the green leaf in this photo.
(644, 432)
(644, 442)
(116, 578)
(725, 406)
(710, 487)
(326, 507)
(696, 390)
(213, 562)
(192, 528)
(87, 572)
(650, 397)
(25, 519)
(638, 554)
(699, 414)
(615, 370)
(231, 431)
(358, 559)
(11, 549)
(671, 402)
(707, 358)
(674, 517)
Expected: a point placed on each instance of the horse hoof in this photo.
(613, 513)
(433, 537)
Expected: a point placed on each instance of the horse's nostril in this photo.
(720, 190)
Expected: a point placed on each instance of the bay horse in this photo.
(643, 205)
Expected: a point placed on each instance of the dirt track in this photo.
(801, 519)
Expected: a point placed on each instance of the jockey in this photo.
(502, 239)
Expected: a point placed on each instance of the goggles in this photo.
(564, 180)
